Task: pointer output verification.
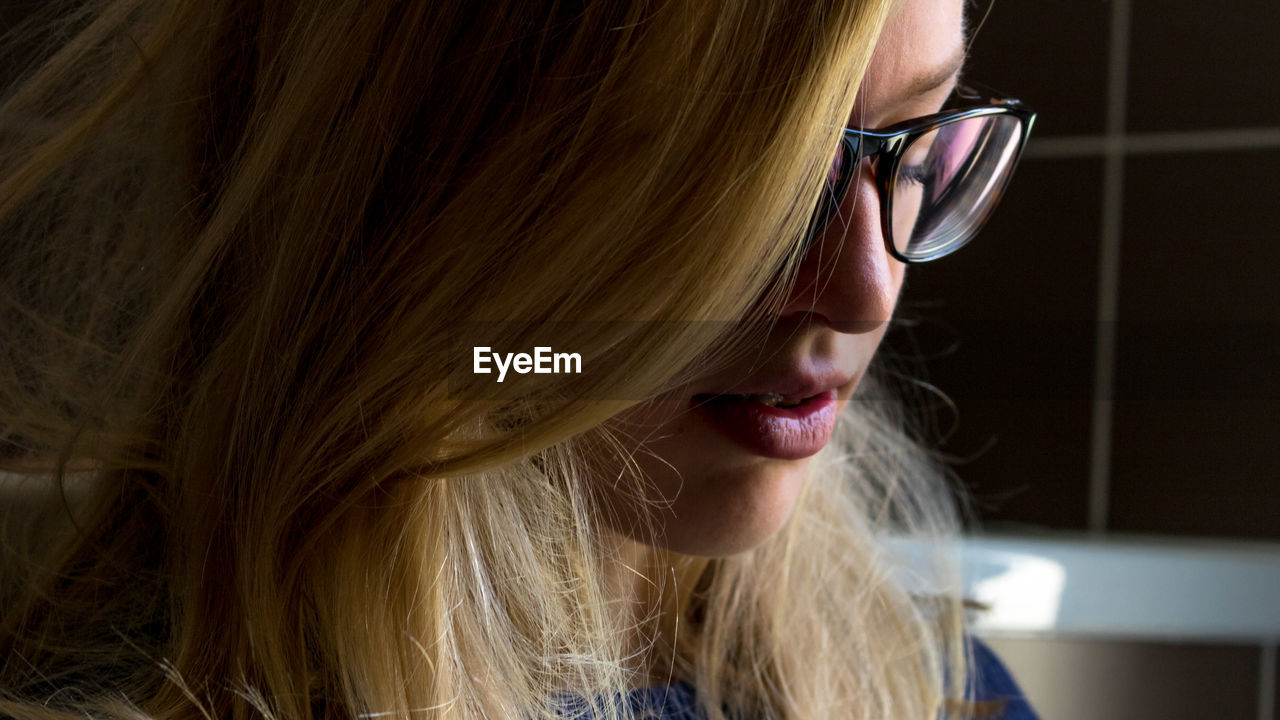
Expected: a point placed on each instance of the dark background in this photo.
(1112, 341)
(1117, 325)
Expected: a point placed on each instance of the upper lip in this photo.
(792, 384)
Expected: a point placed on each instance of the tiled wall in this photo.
(1118, 323)
(1112, 340)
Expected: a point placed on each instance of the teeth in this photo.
(776, 400)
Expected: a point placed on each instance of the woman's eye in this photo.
(913, 174)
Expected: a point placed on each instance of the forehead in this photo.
(920, 37)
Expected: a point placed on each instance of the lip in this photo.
(790, 385)
(773, 432)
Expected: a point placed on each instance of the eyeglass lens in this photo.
(945, 186)
(948, 182)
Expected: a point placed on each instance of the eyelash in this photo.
(912, 174)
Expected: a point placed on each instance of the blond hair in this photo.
(239, 239)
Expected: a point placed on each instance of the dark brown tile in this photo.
(1019, 305)
(1022, 49)
(1115, 680)
(1197, 395)
(1193, 68)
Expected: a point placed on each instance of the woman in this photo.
(260, 256)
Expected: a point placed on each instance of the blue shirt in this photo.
(992, 682)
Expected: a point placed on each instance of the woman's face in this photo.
(729, 469)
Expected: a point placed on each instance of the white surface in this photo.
(1119, 586)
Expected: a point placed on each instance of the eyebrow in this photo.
(935, 79)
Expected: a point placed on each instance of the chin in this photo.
(716, 512)
(707, 495)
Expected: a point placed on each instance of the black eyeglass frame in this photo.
(888, 145)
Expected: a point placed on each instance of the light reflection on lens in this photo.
(949, 180)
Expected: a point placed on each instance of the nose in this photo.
(848, 276)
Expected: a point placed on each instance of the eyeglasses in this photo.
(939, 176)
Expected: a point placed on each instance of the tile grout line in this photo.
(1267, 685)
(1109, 270)
(1154, 143)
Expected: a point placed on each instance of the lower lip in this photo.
(773, 432)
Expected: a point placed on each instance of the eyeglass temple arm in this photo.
(974, 90)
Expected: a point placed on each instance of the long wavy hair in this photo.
(244, 478)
